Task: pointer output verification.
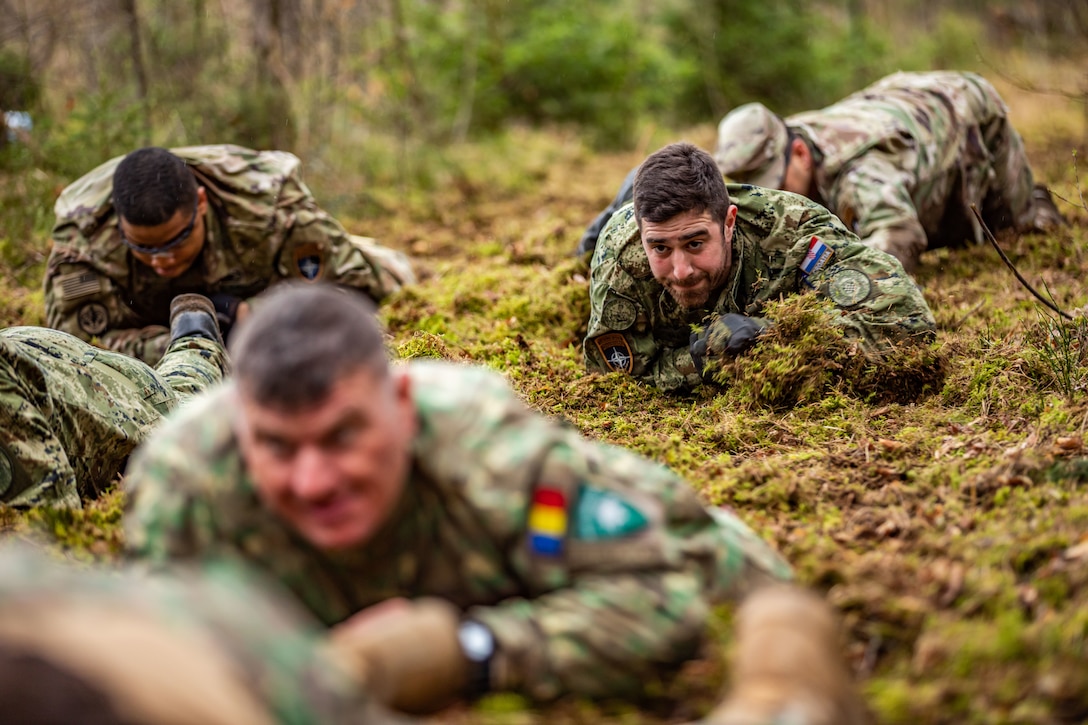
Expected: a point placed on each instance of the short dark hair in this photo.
(301, 339)
(34, 689)
(676, 179)
(150, 185)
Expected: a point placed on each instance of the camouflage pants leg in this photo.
(1006, 195)
(393, 267)
(191, 365)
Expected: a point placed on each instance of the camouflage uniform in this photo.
(71, 413)
(262, 226)
(782, 244)
(901, 162)
(272, 649)
(594, 568)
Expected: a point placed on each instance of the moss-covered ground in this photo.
(938, 502)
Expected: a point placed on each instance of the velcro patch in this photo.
(849, 217)
(93, 318)
(618, 313)
(547, 521)
(819, 254)
(78, 284)
(309, 261)
(849, 287)
(615, 351)
(602, 514)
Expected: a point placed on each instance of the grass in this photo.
(939, 502)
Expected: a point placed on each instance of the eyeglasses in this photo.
(174, 243)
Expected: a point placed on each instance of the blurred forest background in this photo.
(340, 80)
(382, 97)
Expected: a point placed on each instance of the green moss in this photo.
(933, 497)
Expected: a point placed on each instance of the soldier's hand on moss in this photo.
(408, 656)
(730, 334)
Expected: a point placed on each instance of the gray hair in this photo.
(301, 339)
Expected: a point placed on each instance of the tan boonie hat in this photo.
(752, 146)
(152, 672)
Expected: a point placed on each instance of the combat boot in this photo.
(1045, 216)
(193, 315)
(787, 667)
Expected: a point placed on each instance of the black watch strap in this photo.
(478, 646)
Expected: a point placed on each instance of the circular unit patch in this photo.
(618, 313)
(849, 287)
(93, 318)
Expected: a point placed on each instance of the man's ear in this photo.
(800, 154)
(201, 201)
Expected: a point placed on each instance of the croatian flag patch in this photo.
(817, 258)
(547, 522)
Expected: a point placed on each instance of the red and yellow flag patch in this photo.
(547, 522)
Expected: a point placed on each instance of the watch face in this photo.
(477, 642)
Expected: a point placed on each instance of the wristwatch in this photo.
(478, 646)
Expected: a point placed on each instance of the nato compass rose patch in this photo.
(615, 351)
(309, 261)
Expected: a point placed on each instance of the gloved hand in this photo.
(408, 656)
(226, 309)
(730, 334)
(787, 664)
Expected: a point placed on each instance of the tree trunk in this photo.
(138, 67)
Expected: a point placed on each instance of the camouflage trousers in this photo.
(71, 413)
(394, 268)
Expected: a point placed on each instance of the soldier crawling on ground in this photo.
(459, 542)
(900, 162)
(222, 221)
(691, 251)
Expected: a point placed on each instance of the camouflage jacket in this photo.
(782, 244)
(262, 226)
(595, 568)
(71, 413)
(901, 161)
(271, 646)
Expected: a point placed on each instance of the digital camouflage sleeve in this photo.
(595, 568)
(782, 244)
(70, 413)
(263, 226)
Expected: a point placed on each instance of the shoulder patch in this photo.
(849, 287)
(602, 514)
(849, 217)
(81, 283)
(615, 351)
(819, 254)
(93, 318)
(619, 313)
(309, 261)
(547, 521)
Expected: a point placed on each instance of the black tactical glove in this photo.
(730, 334)
(226, 309)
